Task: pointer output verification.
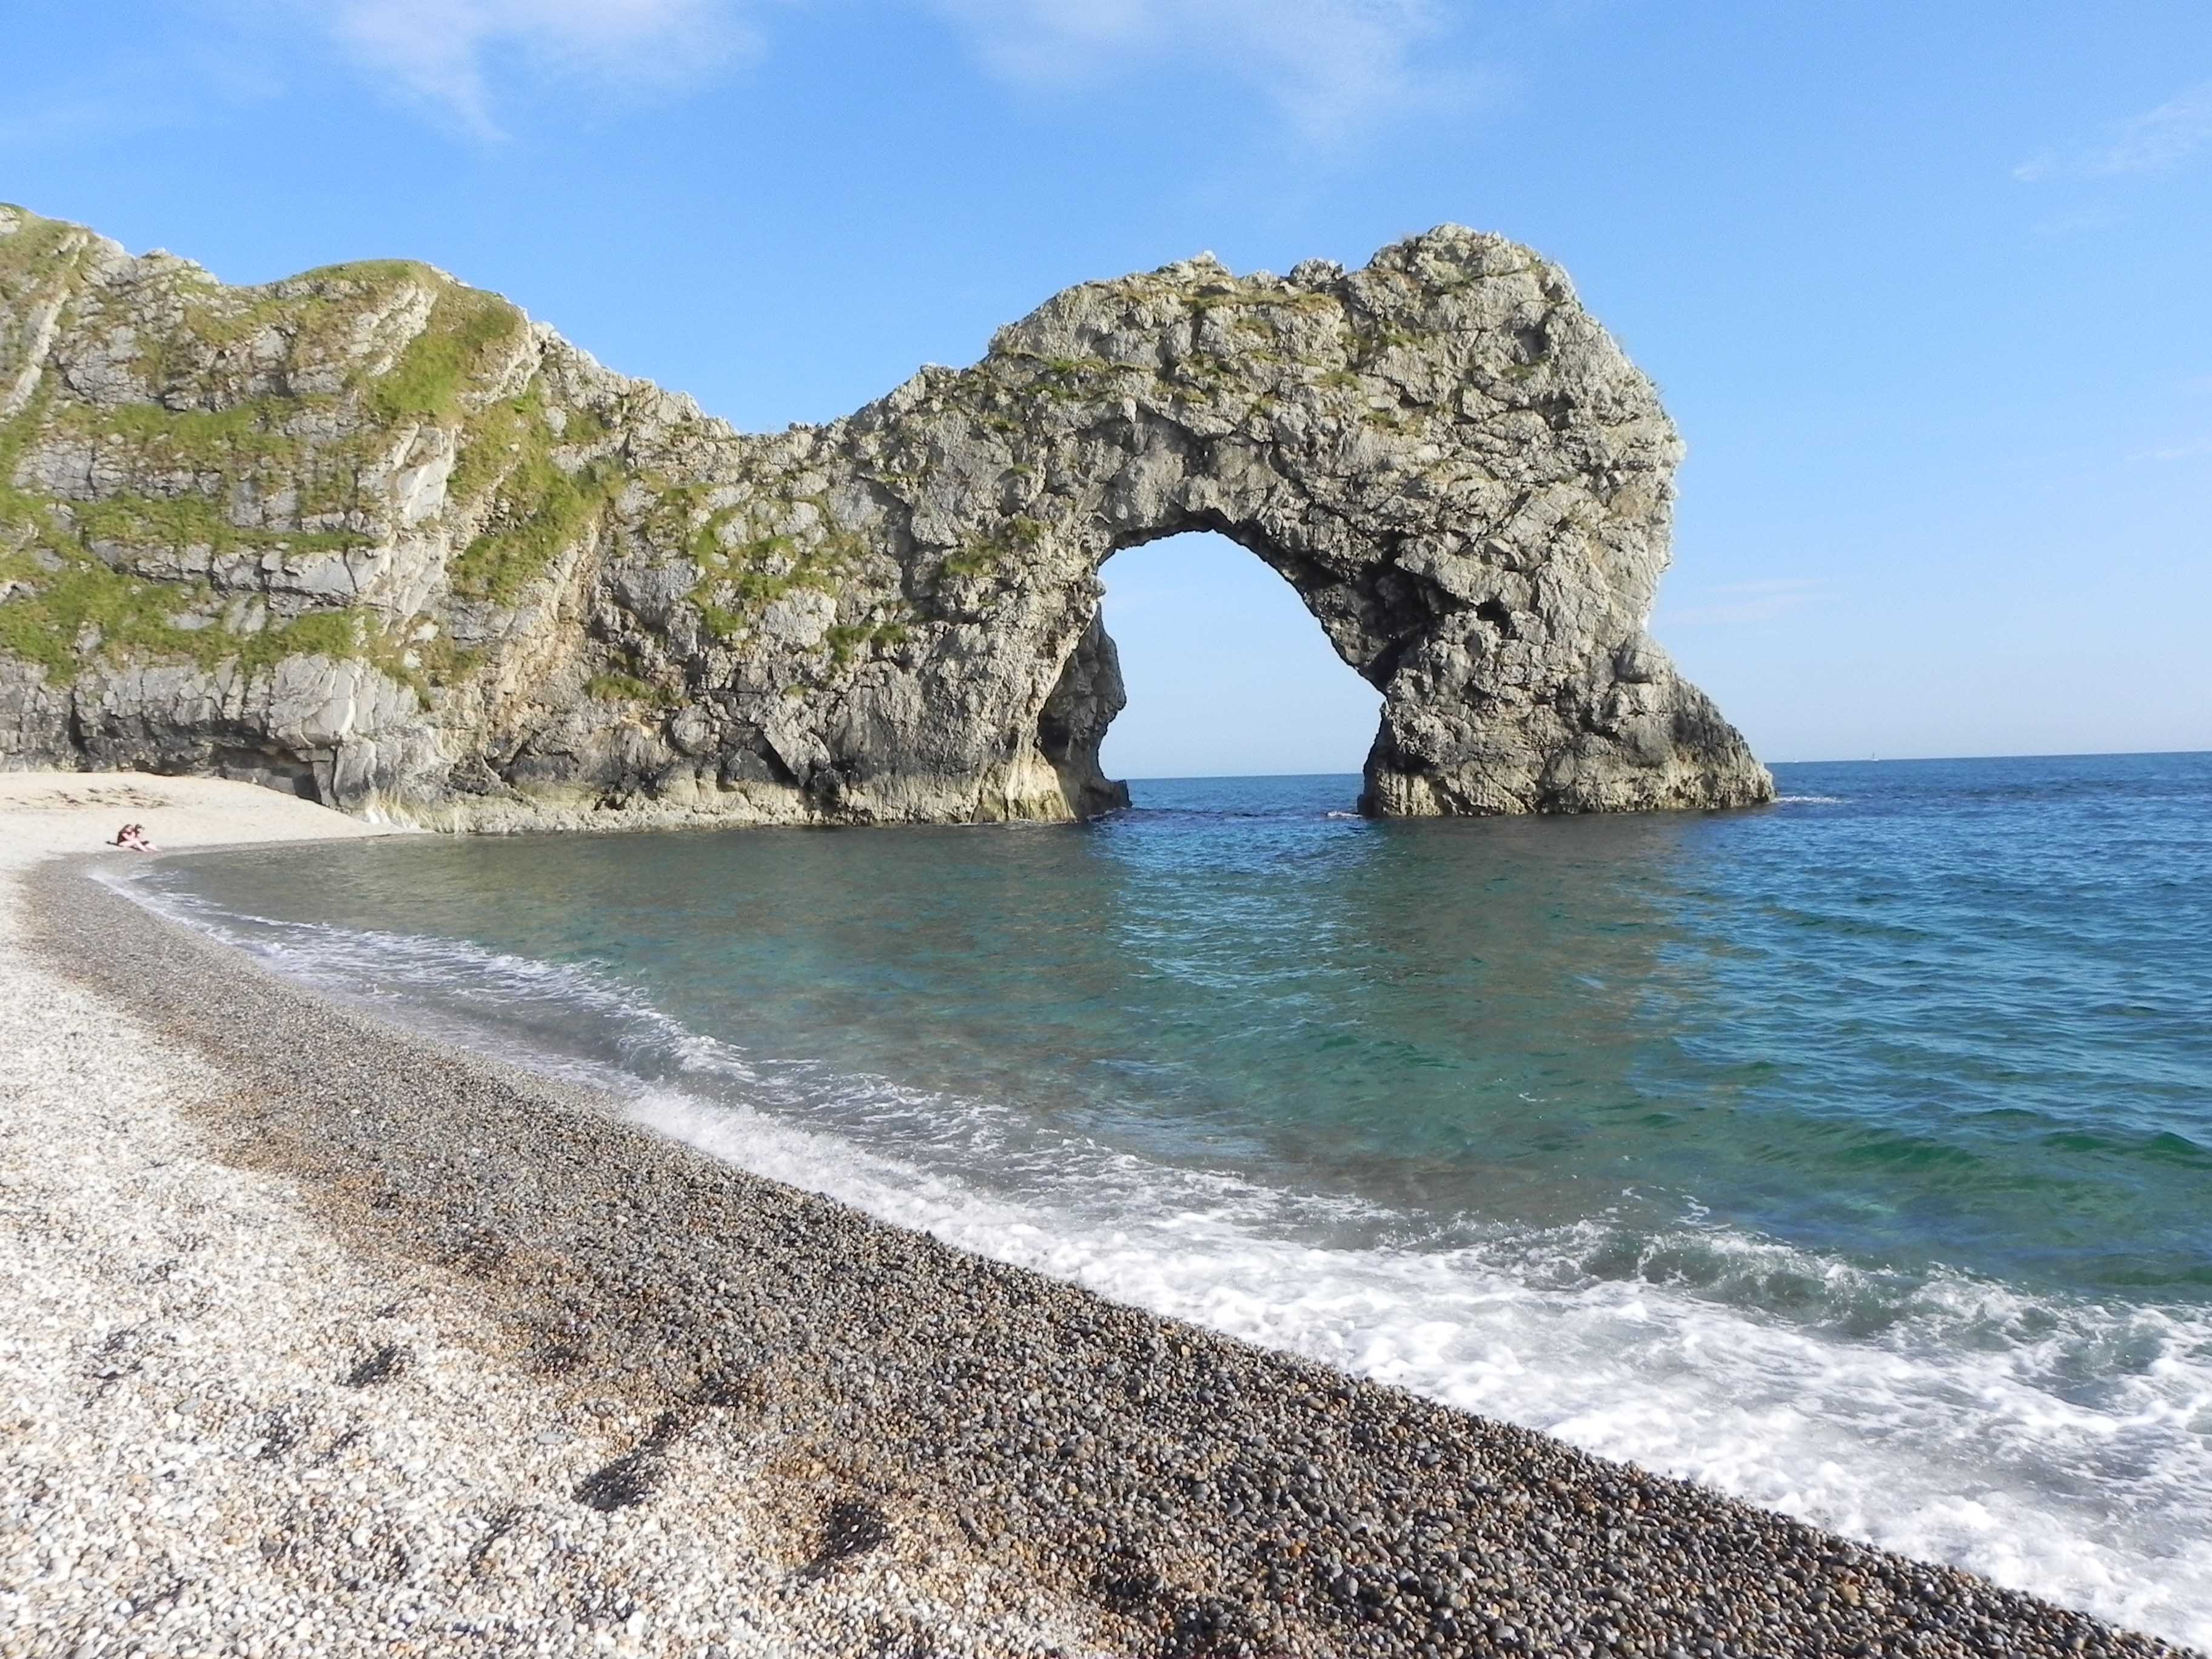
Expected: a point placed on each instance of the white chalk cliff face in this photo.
(373, 535)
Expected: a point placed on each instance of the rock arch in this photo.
(556, 596)
(1463, 479)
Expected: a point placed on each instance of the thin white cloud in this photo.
(2178, 452)
(1331, 66)
(2156, 141)
(1746, 602)
(1332, 69)
(1774, 585)
(444, 51)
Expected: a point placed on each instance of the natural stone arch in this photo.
(1463, 479)
(373, 532)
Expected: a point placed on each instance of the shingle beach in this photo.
(318, 1338)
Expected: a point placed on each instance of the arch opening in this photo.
(1227, 672)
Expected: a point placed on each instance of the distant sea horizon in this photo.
(1852, 1154)
(1861, 760)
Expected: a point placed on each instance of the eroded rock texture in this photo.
(373, 535)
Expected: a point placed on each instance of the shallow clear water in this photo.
(1854, 1155)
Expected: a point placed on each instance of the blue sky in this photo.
(1928, 287)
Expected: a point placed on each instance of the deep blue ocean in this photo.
(1853, 1154)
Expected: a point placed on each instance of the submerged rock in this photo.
(373, 535)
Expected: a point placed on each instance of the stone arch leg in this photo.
(1071, 725)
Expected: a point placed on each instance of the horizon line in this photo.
(1860, 760)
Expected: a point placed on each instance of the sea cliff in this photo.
(374, 535)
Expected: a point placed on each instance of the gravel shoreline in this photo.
(861, 1440)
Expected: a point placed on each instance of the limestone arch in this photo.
(1467, 484)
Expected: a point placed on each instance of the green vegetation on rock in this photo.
(179, 523)
(20, 510)
(850, 641)
(541, 512)
(246, 438)
(738, 582)
(161, 451)
(1022, 534)
(63, 612)
(27, 252)
(33, 270)
(622, 688)
(539, 508)
(455, 347)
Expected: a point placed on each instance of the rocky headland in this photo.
(373, 536)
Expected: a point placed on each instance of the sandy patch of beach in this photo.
(43, 814)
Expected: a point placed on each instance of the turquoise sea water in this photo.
(1853, 1154)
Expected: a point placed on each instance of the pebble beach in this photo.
(320, 1339)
